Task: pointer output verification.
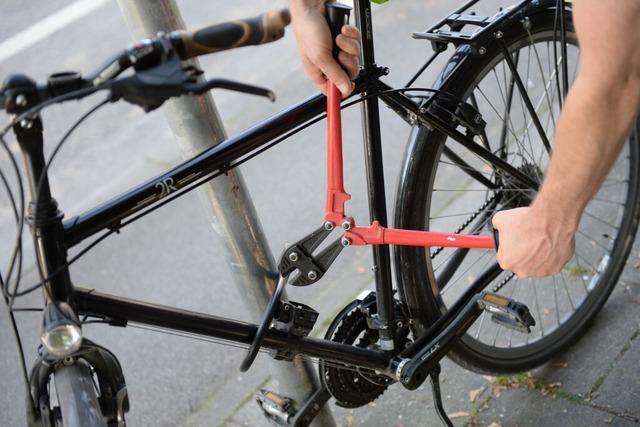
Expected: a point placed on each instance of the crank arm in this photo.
(411, 372)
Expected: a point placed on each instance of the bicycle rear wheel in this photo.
(438, 193)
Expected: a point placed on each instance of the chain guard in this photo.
(353, 387)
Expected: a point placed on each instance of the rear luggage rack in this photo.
(440, 35)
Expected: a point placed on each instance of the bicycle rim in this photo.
(562, 304)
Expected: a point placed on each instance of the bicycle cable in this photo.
(10, 295)
(19, 215)
(43, 280)
(40, 184)
(214, 174)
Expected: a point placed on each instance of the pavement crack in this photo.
(529, 382)
(596, 385)
(478, 405)
(246, 399)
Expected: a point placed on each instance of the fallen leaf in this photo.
(497, 390)
(349, 421)
(550, 388)
(494, 424)
(458, 414)
(561, 364)
(473, 394)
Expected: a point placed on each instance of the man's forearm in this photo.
(599, 110)
(592, 128)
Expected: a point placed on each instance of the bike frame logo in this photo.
(166, 187)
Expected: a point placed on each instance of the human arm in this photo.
(595, 121)
(315, 46)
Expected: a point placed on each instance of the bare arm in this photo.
(595, 121)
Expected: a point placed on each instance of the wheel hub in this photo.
(517, 194)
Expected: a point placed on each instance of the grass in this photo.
(575, 270)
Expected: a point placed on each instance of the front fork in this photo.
(43, 215)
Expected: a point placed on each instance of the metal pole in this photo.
(197, 126)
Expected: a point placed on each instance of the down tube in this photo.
(109, 214)
(122, 311)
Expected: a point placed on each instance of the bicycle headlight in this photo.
(61, 332)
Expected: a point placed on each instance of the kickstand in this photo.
(434, 376)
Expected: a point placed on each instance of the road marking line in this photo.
(47, 26)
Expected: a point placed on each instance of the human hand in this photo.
(315, 46)
(533, 242)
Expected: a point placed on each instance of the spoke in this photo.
(525, 96)
(564, 282)
(484, 314)
(589, 214)
(514, 297)
(507, 111)
(473, 173)
(595, 269)
(563, 50)
(484, 254)
(535, 294)
(546, 94)
(510, 129)
(583, 234)
(597, 199)
(538, 105)
(489, 174)
(523, 108)
(504, 102)
(497, 190)
(584, 285)
(613, 183)
(555, 299)
(462, 214)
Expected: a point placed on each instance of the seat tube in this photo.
(46, 221)
(375, 180)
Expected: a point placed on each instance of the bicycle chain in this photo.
(469, 220)
(353, 388)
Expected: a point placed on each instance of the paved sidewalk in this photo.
(594, 383)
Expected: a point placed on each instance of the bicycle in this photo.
(382, 337)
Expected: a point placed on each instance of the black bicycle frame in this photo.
(56, 236)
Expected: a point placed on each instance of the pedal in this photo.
(278, 410)
(507, 312)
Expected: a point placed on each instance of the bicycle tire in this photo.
(417, 280)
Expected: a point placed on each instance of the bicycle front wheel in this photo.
(439, 193)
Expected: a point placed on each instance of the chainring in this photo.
(352, 387)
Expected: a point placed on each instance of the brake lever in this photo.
(200, 88)
(151, 87)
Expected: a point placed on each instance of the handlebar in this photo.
(260, 29)
(149, 54)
